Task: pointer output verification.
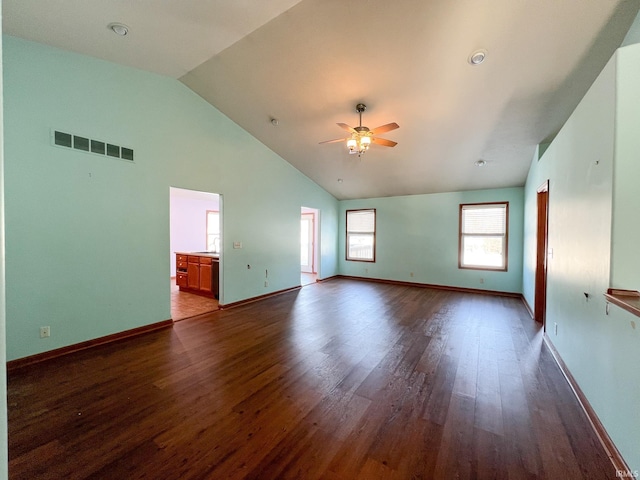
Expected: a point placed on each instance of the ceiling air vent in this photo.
(77, 142)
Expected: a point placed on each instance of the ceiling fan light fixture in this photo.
(477, 57)
(480, 163)
(365, 142)
(362, 137)
(358, 145)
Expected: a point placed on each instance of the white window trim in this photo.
(505, 264)
(373, 235)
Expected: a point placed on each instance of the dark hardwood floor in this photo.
(340, 380)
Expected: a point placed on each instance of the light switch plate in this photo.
(237, 244)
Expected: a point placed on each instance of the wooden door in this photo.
(540, 306)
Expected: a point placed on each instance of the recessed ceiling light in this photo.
(340, 180)
(119, 28)
(275, 122)
(477, 57)
(480, 163)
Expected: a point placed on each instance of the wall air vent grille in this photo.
(77, 142)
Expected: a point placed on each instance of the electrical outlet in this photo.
(45, 332)
(482, 280)
(555, 328)
(411, 274)
(366, 271)
(266, 283)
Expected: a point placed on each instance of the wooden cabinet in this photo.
(181, 279)
(215, 277)
(198, 274)
(193, 272)
(181, 270)
(205, 274)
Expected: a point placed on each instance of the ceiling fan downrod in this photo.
(360, 140)
(361, 107)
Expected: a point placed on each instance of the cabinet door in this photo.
(193, 275)
(205, 278)
(181, 279)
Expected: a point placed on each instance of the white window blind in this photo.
(483, 236)
(361, 231)
(361, 221)
(484, 219)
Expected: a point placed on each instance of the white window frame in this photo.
(353, 231)
(212, 236)
(486, 231)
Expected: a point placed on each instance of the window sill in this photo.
(486, 269)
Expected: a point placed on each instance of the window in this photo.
(361, 235)
(213, 231)
(483, 236)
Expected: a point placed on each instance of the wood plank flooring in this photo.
(339, 380)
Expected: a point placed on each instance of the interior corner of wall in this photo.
(542, 147)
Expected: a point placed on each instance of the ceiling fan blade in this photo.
(334, 141)
(384, 142)
(385, 128)
(347, 128)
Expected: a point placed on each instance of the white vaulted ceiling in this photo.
(308, 63)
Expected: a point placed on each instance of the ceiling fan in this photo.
(361, 137)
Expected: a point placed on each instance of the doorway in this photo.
(542, 252)
(308, 245)
(195, 227)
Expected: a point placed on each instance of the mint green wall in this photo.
(625, 261)
(623, 345)
(4, 450)
(530, 227)
(87, 237)
(419, 234)
(600, 351)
